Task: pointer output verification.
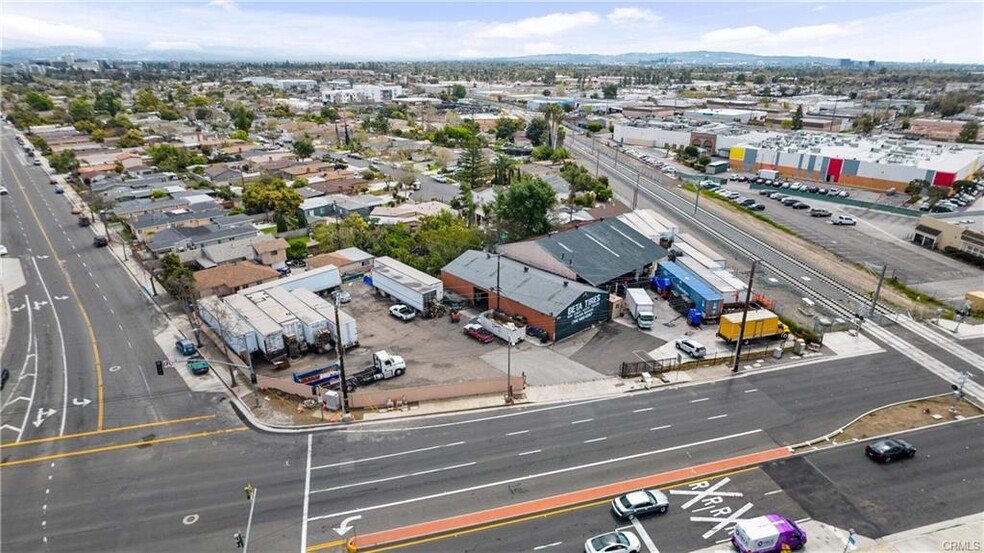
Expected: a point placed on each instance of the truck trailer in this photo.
(640, 306)
(406, 284)
(760, 323)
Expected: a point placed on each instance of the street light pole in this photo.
(509, 389)
(697, 197)
(251, 491)
(340, 350)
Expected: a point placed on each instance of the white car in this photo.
(693, 348)
(3, 249)
(403, 312)
(613, 542)
(843, 220)
(640, 502)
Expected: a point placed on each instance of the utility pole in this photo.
(340, 349)
(251, 495)
(509, 390)
(252, 371)
(498, 287)
(635, 195)
(874, 299)
(744, 317)
(697, 197)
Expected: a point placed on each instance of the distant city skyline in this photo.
(312, 31)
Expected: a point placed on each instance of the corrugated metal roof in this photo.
(603, 251)
(539, 290)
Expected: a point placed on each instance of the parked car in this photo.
(813, 189)
(3, 191)
(778, 196)
(822, 191)
(402, 312)
(641, 502)
(479, 333)
(766, 192)
(693, 348)
(819, 212)
(613, 542)
(296, 263)
(756, 207)
(284, 271)
(790, 200)
(747, 202)
(800, 205)
(4, 376)
(59, 190)
(37, 161)
(538, 333)
(341, 296)
(3, 250)
(185, 347)
(844, 220)
(197, 365)
(889, 449)
(100, 241)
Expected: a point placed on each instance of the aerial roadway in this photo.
(102, 454)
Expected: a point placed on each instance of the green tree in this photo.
(559, 154)
(239, 135)
(297, 248)
(158, 194)
(168, 114)
(242, 118)
(522, 209)
(864, 124)
(200, 101)
(303, 148)
(506, 127)
(63, 161)
(272, 195)
(759, 79)
(132, 138)
(108, 101)
(38, 101)
(595, 126)
(798, 118)
(473, 169)
(968, 133)
(503, 170)
(542, 153)
(537, 130)
(691, 152)
(609, 91)
(330, 114)
(554, 116)
(203, 113)
(80, 110)
(178, 280)
(550, 77)
(458, 91)
(146, 101)
(916, 187)
(172, 159)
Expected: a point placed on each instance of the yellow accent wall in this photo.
(737, 154)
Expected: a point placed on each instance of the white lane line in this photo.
(547, 546)
(613, 460)
(582, 421)
(104, 298)
(96, 283)
(752, 390)
(391, 478)
(517, 433)
(716, 417)
(591, 441)
(700, 400)
(644, 536)
(772, 492)
(387, 456)
(643, 410)
(664, 427)
(129, 344)
(530, 452)
(307, 494)
(61, 341)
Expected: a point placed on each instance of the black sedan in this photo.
(885, 451)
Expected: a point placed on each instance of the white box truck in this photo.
(769, 174)
(640, 306)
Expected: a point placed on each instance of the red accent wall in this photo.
(834, 168)
(944, 179)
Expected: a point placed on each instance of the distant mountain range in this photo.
(632, 58)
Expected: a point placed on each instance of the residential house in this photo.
(229, 279)
(272, 253)
(146, 225)
(350, 261)
(178, 239)
(222, 175)
(408, 214)
(304, 170)
(223, 253)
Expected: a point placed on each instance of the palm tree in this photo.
(503, 170)
(554, 114)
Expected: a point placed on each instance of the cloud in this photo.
(819, 8)
(739, 37)
(175, 45)
(36, 31)
(547, 25)
(735, 34)
(540, 47)
(227, 5)
(619, 16)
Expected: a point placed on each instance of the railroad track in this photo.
(676, 203)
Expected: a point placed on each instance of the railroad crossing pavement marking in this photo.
(644, 536)
(703, 490)
(731, 519)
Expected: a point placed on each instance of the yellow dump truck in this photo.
(760, 323)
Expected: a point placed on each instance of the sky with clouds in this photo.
(885, 31)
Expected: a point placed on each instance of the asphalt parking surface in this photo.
(614, 344)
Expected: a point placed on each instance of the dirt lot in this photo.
(914, 414)
(436, 350)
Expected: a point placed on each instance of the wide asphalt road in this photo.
(839, 486)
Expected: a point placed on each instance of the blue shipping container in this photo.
(697, 291)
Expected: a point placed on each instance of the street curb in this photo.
(828, 436)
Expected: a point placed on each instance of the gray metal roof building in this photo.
(598, 253)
